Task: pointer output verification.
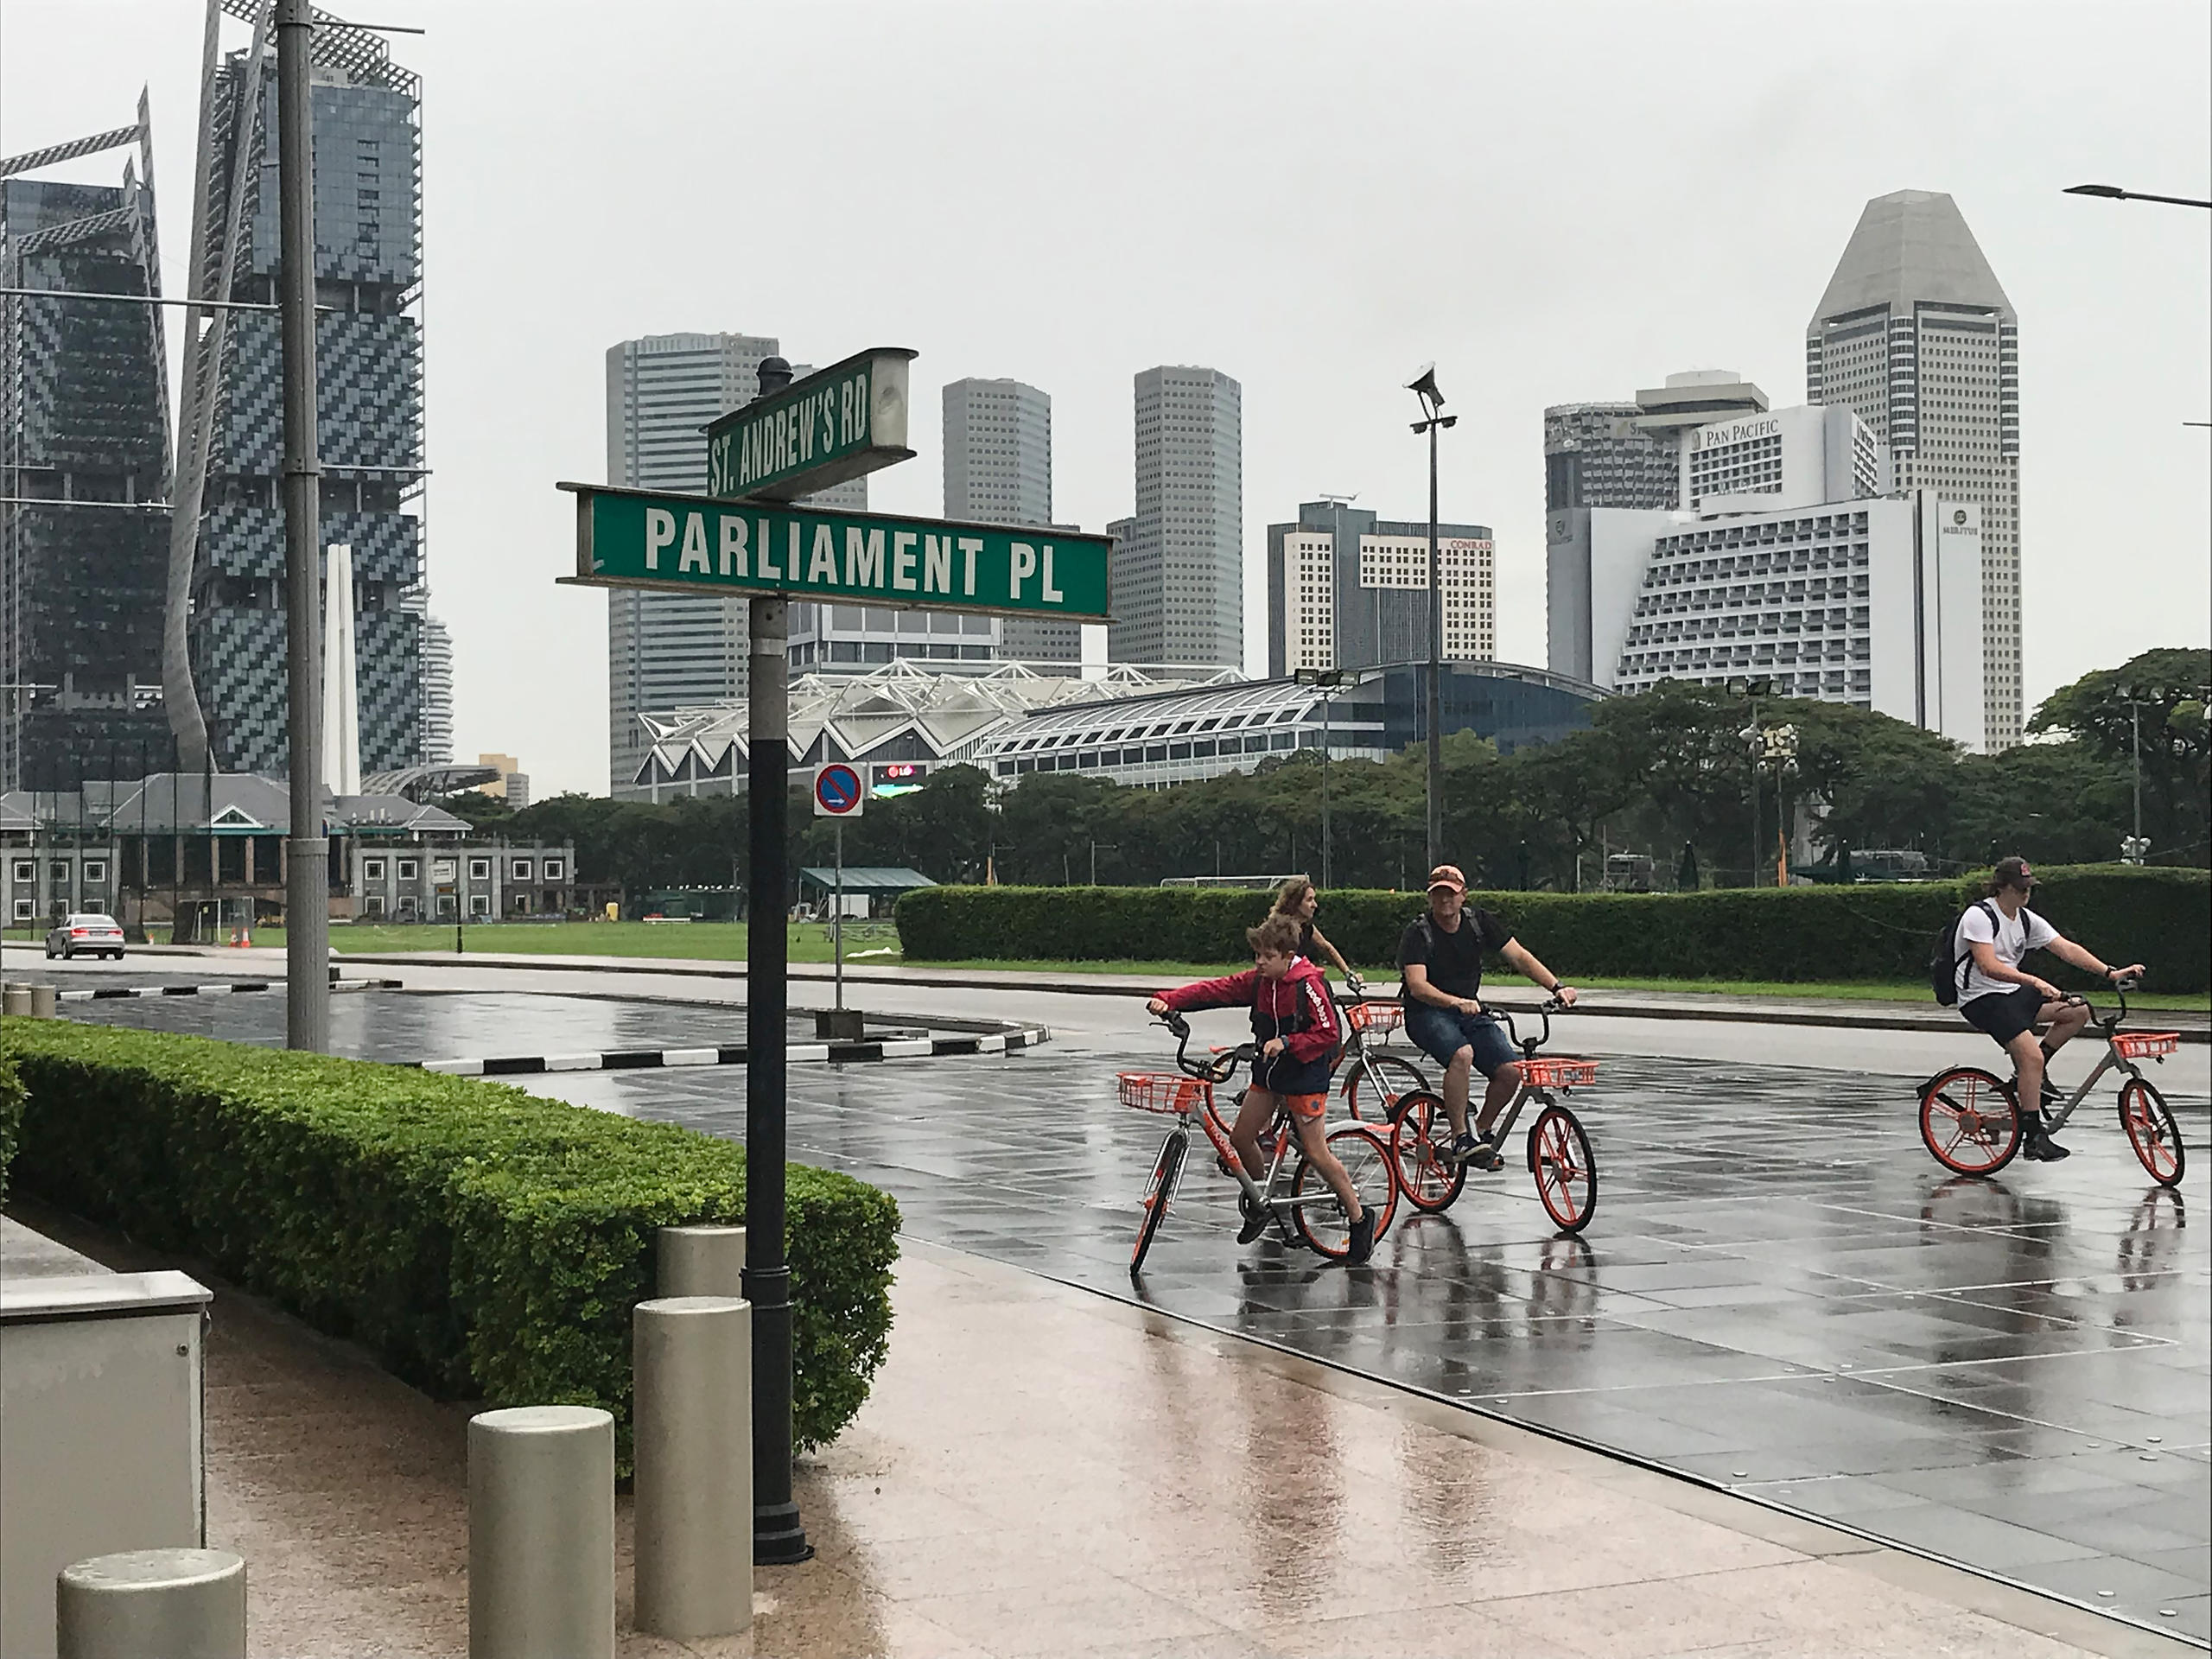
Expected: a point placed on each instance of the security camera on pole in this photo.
(745, 538)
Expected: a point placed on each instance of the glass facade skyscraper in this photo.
(368, 206)
(84, 419)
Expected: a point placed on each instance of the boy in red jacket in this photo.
(1295, 1022)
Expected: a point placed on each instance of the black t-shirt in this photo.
(1454, 960)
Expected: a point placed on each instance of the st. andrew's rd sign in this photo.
(701, 544)
(836, 423)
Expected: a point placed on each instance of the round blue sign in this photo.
(837, 790)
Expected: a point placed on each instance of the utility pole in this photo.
(1423, 386)
(778, 1536)
(307, 892)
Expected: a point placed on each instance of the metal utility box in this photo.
(100, 1432)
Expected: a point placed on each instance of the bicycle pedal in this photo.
(1496, 1162)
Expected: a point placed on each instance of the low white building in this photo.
(1872, 601)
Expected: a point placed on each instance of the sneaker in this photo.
(1255, 1220)
(1474, 1149)
(2052, 1095)
(1363, 1239)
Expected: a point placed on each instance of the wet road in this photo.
(1781, 1292)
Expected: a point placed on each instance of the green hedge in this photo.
(11, 1117)
(481, 1242)
(1875, 932)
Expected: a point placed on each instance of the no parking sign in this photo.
(837, 791)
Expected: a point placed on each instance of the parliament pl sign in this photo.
(836, 423)
(706, 544)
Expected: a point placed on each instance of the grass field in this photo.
(878, 944)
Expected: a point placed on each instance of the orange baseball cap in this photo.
(1447, 875)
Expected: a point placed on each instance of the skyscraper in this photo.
(1346, 589)
(670, 650)
(1916, 335)
(83, 418)
(998, 470)
(368, 209)
(1178, 580)
(1595, 455)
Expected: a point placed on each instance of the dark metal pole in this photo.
(1435, 707)
(1325, 883)
(1755, 745)
(307, 894)
(778, 1536)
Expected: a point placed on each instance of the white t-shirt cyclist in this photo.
(2013, 938)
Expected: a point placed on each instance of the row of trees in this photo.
(1664, 772)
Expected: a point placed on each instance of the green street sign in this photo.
(837, 424)
(703, 545)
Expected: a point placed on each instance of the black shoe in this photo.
(1256, 1221)
(1363, 1239)
(2051, 1094)
(1478, 1150)
(2042, 1149)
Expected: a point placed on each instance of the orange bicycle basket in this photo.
(2143, 1045)
(1160, 1091)
(1557, 1072)
(1377, 1017)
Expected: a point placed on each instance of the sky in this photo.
(1551, 203)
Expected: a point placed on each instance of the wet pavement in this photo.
(1781, 1292)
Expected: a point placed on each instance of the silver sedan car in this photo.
(89, 934)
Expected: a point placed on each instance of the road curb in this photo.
(234, 987)
(634, 1059)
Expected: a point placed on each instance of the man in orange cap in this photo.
(1440, 960)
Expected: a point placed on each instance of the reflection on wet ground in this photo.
(1781, 1292)
(410, 1026)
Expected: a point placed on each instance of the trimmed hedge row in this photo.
(1876, 932)
(481, 1242)
(11, 1117)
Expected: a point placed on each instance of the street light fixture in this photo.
(2114, 192)
(1423, 386)
(1329, 680)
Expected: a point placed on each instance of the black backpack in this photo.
(1943, 960)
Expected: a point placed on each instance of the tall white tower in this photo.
(1178, 579)
(998, 470)
(670, 650)
(342, 695)
(1916, 335)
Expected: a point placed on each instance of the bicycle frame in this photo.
(1541, 1093)
(2055, 1117)
(1202, 1105)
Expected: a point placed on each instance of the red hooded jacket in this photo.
(1297, 1007)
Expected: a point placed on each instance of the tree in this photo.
(2169, 688)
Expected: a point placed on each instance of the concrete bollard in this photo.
(46, 1001)
(703, 1261)
(541, 1533)
(693, 1406)
(15, 1002)
(152, 1603)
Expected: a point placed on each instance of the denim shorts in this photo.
(1442, 1033)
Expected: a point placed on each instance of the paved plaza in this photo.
(1781, 1293)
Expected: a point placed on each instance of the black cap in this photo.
(2013, 873)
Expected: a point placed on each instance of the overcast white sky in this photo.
(1555, 202)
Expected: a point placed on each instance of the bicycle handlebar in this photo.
(1548, 1008)
(1220, 1068)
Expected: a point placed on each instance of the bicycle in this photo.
(1300, 1204)
(1561, 1161)
(1970, 1118)
(1375, 1082)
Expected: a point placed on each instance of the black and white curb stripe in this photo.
(234, 988)
(895, 1048)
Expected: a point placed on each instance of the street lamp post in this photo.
(1330, 680)
(1423, 386)
(2114, 192)
(307, 895)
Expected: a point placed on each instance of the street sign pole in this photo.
(778, 1538)
(837, 920)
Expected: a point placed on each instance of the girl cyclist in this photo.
(1298, 898)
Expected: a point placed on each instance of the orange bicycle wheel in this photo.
(1157, 1192)
(1565, 1168)
(2152, 1131)
(1323, 1226)
(1969, 1121)
(1421, 1145)
(1375, 1087)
